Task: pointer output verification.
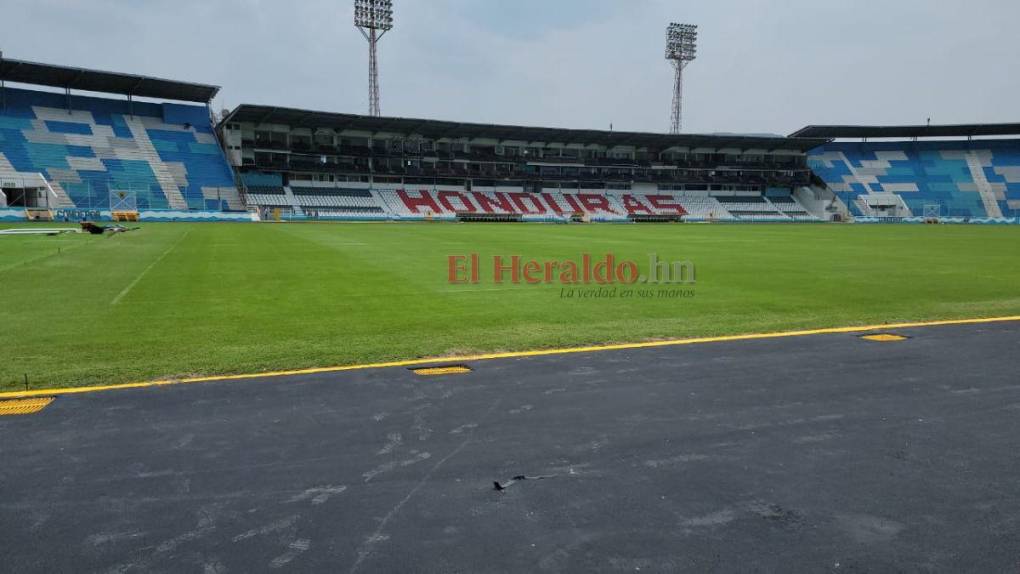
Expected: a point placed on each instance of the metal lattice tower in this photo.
(681, 49)
(373, 18)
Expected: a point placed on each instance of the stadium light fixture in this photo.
(681, 49)
(373, 18)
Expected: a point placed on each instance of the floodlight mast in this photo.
(681, 49)
(373, 18)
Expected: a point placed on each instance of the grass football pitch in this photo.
(203, 299)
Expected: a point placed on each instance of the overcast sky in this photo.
(763, 65)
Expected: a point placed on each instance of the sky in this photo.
(763, 66)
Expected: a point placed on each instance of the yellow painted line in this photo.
(513, 355)
(23, 406)
(884, 338)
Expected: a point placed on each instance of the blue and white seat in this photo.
(165, 156)
(960, 178)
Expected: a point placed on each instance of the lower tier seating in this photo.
(413, 202)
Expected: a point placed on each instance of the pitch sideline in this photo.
(506, 355)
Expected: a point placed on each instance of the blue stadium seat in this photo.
(165, 155)
(964, 179)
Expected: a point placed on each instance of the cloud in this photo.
(763, 66)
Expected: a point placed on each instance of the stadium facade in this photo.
(67, 155)
(341, 165)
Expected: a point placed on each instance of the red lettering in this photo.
(499, 268)
(568, 273)
(465, 203)
(455, 266)
(595, 203)
(423, 200)
(550, 266)
(530, 268)
(634, 205)
(488, 204)
(604, 270)
(520, 199)
(627, 272)
(553, 204)
(573, 203)
(664, 202)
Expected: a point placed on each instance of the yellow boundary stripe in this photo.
(510, 355)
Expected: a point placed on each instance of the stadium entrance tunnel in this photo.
(441, 370)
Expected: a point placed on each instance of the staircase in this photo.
(821, 202)
(292, 200)
(984, 188)
(163, 176)
(862, 207)
(779, 211)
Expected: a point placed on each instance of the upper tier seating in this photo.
(266, 190)
(965, 179)
(165, 155)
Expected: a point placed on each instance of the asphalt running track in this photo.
(819, 453)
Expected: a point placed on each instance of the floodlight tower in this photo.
(373, 18)
(681, 48)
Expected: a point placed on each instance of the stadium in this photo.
(267, 338)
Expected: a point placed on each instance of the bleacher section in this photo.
(791, 208)
(338, 200)
(161, 156)
(962, 179)
(449, 203)
(752, 208)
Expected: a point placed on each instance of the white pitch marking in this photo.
(146, 270)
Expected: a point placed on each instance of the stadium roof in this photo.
(106, 82)
(921, 131)
(436, 129)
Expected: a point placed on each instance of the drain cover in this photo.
(23, 406)
(444, 370)
(883, 337)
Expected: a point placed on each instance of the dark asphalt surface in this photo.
(822, 453)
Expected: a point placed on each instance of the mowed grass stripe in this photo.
(26, 250)
(141, 275)
(242, 298)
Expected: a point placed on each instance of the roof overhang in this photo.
(917, 131)
(85, 79)
(437, 129)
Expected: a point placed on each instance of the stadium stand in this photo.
(426, 169)
(752, 208)
(165, 155)
(792, 208)
(72, 152)
(705, 208)
(431, 202)
(92, 154)
(958, 178)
